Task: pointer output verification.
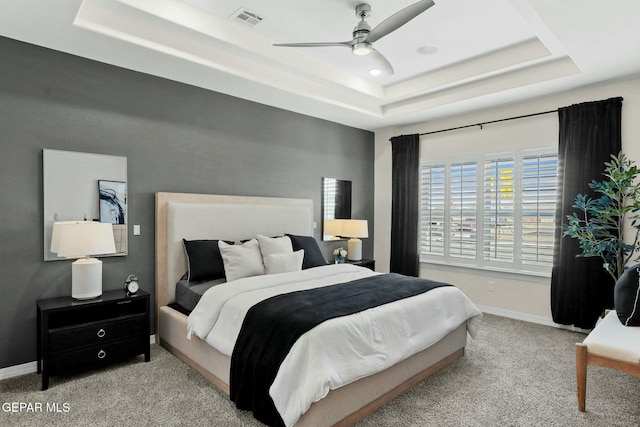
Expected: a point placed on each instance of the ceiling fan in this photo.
(364, 36)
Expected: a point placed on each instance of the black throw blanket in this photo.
(272, 326)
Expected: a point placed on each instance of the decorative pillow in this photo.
(312, 255)
(204, 261)
(241, 260)
(274, 245)
(626, 297)
(284, 262)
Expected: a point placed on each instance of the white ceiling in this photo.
(489, 53)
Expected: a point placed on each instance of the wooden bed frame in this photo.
(202, 216)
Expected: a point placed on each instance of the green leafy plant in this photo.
(600, 222)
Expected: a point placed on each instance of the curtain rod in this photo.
(492, 121)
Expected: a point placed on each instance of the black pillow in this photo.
(626, 297)
(204, 261)
(312, 255)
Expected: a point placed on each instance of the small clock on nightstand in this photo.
(131, 285)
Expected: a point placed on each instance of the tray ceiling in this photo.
(458, 56)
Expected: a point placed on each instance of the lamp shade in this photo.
(75, 239)
(355, 228)
(81, 239)
(333, 227)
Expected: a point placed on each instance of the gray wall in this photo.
(176, 137)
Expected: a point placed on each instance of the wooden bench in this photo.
(609, 344)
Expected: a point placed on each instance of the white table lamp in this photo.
(355, 229)
(81, 239)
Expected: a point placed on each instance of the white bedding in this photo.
(340, 350)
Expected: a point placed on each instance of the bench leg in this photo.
(581, 374)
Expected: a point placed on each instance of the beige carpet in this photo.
(514, 374)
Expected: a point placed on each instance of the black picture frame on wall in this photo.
(112, 196)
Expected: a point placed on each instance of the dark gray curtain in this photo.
(404, 204)
(589, 133)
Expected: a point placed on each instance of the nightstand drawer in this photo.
(90, 357)
(96, 332)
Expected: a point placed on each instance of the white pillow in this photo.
(274, 245)
(283, 262)
(241, 260)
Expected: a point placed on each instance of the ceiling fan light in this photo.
(362, 49)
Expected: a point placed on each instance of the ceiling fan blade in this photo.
(398, 19)
(382, 63)
(321, 44)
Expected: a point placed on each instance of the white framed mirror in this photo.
(84, 186)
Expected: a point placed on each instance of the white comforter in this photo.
(339, 350)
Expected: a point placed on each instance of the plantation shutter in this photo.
(498, 210)
(432, 210)
(539, 188)
(462, 220)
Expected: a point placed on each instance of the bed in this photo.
(199, 216)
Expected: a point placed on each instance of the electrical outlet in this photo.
(491, 286)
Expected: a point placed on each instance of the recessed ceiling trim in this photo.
(497, 82)
(515, 54)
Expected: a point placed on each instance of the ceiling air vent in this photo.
(246, 17)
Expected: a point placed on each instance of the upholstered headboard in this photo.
(206, 216)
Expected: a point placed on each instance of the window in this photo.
(491, 211)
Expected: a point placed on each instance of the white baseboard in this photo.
(17, 370)
(528, 318)
(31, 367)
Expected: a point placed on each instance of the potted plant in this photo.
(600, 222)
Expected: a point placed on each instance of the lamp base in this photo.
(354, 249)
(86, 278)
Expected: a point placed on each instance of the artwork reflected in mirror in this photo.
(113, 201)
(84, 187)
(336, 203)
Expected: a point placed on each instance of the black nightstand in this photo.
(368, 263)
(76, 335)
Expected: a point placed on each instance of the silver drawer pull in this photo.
(102, 354)
(101, 333)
